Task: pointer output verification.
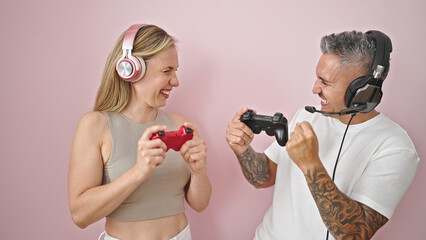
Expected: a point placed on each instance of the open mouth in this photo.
(165, 93)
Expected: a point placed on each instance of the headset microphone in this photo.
(352, 110)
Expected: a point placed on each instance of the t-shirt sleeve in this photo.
(386, 179)
(273, 152)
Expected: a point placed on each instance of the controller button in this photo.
(277, 117)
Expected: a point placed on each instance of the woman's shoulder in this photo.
(92, 131)
(93, 117)
(93, 121)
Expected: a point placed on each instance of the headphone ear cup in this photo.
(131, 69)
(366, 91)
(353, 88)
(363, 91)
(125, 68)
(142, 69)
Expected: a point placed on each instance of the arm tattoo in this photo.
(255, 167)
(344, 217)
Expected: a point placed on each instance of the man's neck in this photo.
(359, 118)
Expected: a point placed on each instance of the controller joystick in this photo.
(174, 139)
(273, 125)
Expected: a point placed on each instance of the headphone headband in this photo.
(383, 49)
(130, 35)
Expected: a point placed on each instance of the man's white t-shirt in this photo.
(377, 164)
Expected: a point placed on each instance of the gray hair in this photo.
(355, 50)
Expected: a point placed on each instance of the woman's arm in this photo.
(89, 201)
(194, 152)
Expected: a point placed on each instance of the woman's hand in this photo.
(194, 151)
(151, 153)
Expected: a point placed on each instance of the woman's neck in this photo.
(140, 114)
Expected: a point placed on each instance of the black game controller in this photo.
(272, 125)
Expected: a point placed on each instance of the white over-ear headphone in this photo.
(130, 68)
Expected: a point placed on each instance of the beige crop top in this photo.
(160, 195)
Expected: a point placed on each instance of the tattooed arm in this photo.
(344, 217)
(256, 167)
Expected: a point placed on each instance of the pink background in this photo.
(260, 54)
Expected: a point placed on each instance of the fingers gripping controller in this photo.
(272, 125)
(174, 139)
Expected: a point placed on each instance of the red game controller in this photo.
(174, 139)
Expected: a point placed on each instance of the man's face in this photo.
(332, 82)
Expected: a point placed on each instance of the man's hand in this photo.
(302, 147)
(238, 135)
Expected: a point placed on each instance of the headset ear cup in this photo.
(142, 68)
(367, 90)
(353, 88)
(364, 91)
(125, 68)
(131, 69)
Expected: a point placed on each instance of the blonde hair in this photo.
(113, 93)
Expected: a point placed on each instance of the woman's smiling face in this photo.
(159, 80)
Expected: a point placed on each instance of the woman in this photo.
(115, 170)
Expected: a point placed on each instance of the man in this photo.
(315, 194)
